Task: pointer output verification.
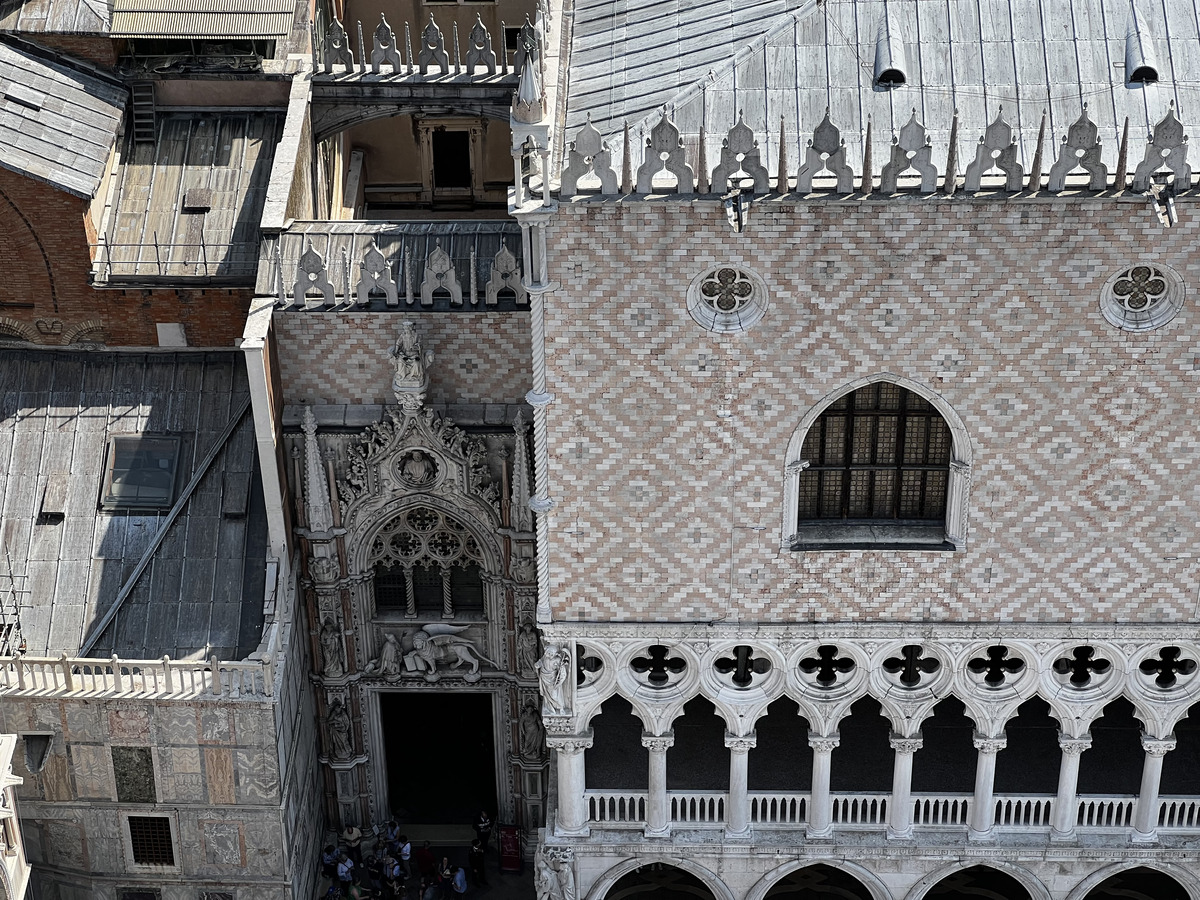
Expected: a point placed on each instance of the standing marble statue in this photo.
(533, 733)
(527, 649)
(338, 721)
(553, 876)
(333, 664)
(552, 671)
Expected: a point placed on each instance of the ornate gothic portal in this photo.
(421, 599)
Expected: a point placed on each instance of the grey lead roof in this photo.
(64, 560)
(202, 18)
(57, 124)
(980, 57)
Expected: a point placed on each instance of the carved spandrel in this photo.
(996, 149)
(1080, 149)
(664, 151)
(589, 154)
(1166, 149)
(911, 149)
(826, 150)
(740, 153)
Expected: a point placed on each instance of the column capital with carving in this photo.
(902, 744)
(658, 743)
(1158, 746)
(570, 743)
(985, 744)
(741, 743)
(824, 743)
(1073, 746)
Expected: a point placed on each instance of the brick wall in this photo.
(335, 358)
(46, 297)
(1082, 435)
(96, 49)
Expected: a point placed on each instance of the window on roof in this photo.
(140, 472)
(875, 470)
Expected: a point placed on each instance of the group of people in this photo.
(394, 870)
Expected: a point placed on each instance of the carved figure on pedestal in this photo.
(527, 649)
(387, 663)
(340, 744)
(418, 468)
(533, 733)
(333, 663)
(411, 364)
(552, 670)
(433, 644)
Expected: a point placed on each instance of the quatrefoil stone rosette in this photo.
(679, 685)
(1165, 673)
(806, 664)
(1102, 684)
(719, 678)
(991, 676)
(887, 678)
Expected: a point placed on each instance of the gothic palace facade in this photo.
(750, 450)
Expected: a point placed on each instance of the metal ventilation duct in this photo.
(891, 69)
(1141, 66)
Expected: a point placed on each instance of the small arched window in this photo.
(875, 470)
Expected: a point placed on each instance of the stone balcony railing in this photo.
(164, 678)
(865, 812)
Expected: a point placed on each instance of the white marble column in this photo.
(658, 820)
(1145, 817)
(820, 804)
(572, 818)
(900, 807)
(983, 813)
(1066, 804)
(737, 809)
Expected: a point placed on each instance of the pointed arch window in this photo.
(875, 470)
(427, 564)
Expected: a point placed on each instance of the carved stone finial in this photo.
(1166, 149)
(826, 150)
(376, 275)
(664, 150)
(316, 490)
(480, 48)
(335, 48)
(440, 274)
(912, 149)
(589, 153)
(411, 363)
(997, 149)
(311, 275)
(1080, 149)
(433, 48)
(384, 49)
(739, 153)
(505, 275)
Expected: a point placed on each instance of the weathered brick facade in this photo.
(1079, 431)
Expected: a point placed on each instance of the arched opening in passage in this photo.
(698, 761)
(862, 762)
(946, 762)
(982, 882)
(819, 882)
(1113, 764)
(1141, 883)
(616, 761)
(781, 759)
(1181, 766)
(659, 881)
(1030, 762)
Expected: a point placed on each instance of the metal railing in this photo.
(173, 260)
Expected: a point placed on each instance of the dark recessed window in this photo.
(140, 472)
(150, 839)
(879, 456)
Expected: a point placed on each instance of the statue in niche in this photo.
(387, 663)
(552, 671)
(533, 733)
(338, 720)
(418, 468)
(553, 877)
(333, 663)
(527, 649)
(524, 569)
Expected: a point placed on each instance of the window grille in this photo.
(150, 839)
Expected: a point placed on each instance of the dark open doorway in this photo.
(441, 760)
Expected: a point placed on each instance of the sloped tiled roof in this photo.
(57, 124)
(1010, 57)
